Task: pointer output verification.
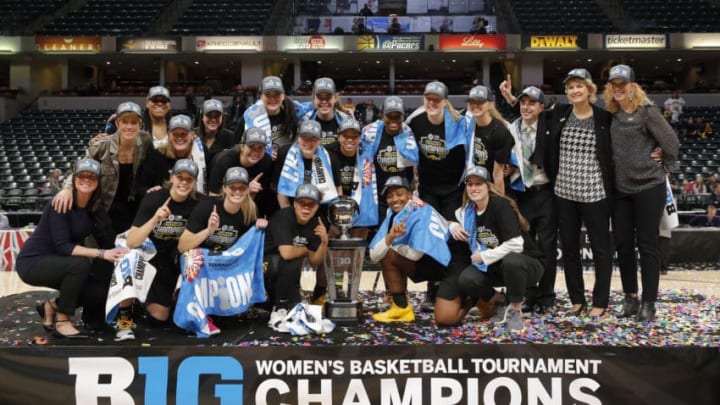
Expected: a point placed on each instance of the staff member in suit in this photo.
(580, 169)
(534, 193)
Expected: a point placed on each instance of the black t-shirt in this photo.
(165, 234)
(223, 140)
(232, 226)
(266, 200)
(439, 169)
(281, 134)
(492, 143)
(499, 223)
(154, 171)
(307, 165)
(284, 229)
(386, 162)
(345, 166)
(329, 131)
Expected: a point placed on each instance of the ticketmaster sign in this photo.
(635, 41)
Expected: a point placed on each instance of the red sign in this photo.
(456, 42)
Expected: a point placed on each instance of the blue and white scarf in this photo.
(471, 228)
(132, 276)
(220, 284)
(426, 230)
(367, 194)
(311, 114)
(455, 131)
(517, 182)
(293, 170)
(256, 116)
(198, 156)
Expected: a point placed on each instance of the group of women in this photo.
(441, 174)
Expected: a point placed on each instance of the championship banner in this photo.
(395, 374)
(11, 242)
(471, 42)
(568, 42)
(220, 283)
(390, 43)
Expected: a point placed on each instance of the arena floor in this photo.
(688, 309)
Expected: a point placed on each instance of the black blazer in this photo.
(555, 121)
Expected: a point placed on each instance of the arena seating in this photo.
(553, 17)
(673, 16)
(17, 16)
(224, 17)
(32, 144)
(108, 17)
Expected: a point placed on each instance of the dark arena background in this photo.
(66, 65)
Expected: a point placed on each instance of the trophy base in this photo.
(343, 312)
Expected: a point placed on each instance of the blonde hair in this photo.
(168, 150)
(524, 225)
(453, 112)
(589, 84)
(637, 98)
(247, 207)
(496, 114)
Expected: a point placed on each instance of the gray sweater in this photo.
(634, 136)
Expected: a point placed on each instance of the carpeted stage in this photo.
(558, 359)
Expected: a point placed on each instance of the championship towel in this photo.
(198, 156)
(471, 228)
(426, 230)
(257, 117)
(669, 219)
(367, 194)
(220, 284)
(132, 276)
(455, 131)
(293, 170)
(517, 182)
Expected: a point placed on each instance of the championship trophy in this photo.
(343, 265)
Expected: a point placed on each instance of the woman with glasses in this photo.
(162, 217)
(55, 255)
(156, 116)
(217, 223)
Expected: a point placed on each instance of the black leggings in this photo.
(68, 274)
(516, 271)
(282, 280)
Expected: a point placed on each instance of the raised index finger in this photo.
(167, 202)
(257, 177)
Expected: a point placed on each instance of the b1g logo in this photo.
(118, 374)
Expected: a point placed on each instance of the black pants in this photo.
(516, 271)
(282, 280)
(445, 204)
(663, 253)
(596, 216)
(538, 208)
(636, 219)
(68, 274)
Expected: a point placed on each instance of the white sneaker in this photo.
(513, 319)
(124, 328)
(277, 319)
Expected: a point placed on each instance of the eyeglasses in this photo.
(159, 100)
(87, 176)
